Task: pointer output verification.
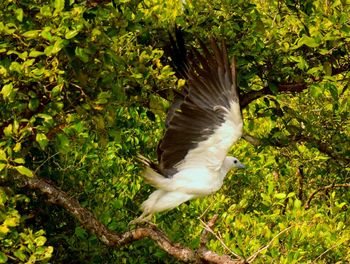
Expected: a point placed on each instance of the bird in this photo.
(202, 124)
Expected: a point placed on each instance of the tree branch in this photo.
(113, 239)
(317, 143)
(247, 98)
(331, 186)
(251, 139)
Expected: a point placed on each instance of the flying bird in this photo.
(201, 126)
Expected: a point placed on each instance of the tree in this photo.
(85, 86)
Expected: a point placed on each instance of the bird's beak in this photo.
(241, 166)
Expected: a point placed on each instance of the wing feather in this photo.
(211, 88)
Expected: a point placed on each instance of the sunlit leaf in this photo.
(31, 34)
(7, 90)
(59, 5)
(40, 241)
(19, 14)
(19, 161)
(12, 221)
(3, 155)
(2, 166)
(71, 34)
(24, 171)
(280, 196)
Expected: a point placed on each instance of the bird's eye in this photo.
(235, 161)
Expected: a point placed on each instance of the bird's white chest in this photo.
(198, 181)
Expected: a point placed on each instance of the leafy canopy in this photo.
(85, 85)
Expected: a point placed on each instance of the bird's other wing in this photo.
(209, 120)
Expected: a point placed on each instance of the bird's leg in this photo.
(143, 218)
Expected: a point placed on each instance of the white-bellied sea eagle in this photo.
(201, 128)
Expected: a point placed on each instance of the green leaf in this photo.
(316, 90)
(4, 229)
(137, 75)
(71, 34)
(19, 14)
(46, 34)
(3, 258)
(8, 130)
(35, 53)
(40, 241)
(24, 171)
(297, 203)
(291, 194)
(16, 67)
(335, 3)
(33, 104)
(17, 147)
(59, 5)
(308, 41)
(59, 44)
(2, 166)
(57, 90)
(31, 34)
(82, 55)
(7, 90)
(42, 140)
(46, 11)
(46, 117)
(280, 196)
(3, 155)
(19, 161)
(19, 254)
(12, 221)
(333, 90)
(63, 143)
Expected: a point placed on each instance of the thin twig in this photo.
(219, 239)
(334, 246)
(330, 186)
(48, 158)
(205, 211)
(252, 257)
(204, 236)
(252, 140)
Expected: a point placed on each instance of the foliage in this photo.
(19, 243)
(85, 87)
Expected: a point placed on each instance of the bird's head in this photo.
(237, 163)
(233, 162)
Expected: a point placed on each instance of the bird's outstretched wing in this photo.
(208, 120)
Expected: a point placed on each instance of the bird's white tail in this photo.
(161, 200)
(155, 179)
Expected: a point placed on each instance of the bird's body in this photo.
(193, 153)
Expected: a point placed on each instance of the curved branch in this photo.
(324, 188)
(113, 239)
